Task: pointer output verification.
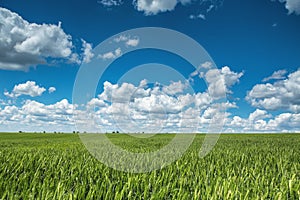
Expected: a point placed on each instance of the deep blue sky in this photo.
(257, 37)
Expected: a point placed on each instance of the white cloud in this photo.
(206, 65)
(283, 94)
(277, 75)
(152, 7)
(96, 102)
(258, 115)
(139, 108)
(29, 88)
(129, 107)
(293, 6)
(261, 121)
(230, 77)
(130, 41)
(199, 16)
(123, 93)
(87, 51)
(111, 55)
(219, 80)
(216, 83)
(174, 88)
(285, 122)
(36, 116)
(133, 42)
(51, 89)
(109, 3)
(24, 44)
(121, 38)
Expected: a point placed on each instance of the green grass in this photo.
(57, 166)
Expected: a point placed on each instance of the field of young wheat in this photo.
(57, 166)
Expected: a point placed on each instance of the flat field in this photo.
(241, 166)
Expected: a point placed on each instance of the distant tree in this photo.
(74, 132)
(113, 132)
(20, 132)
(117, 132)
(44, 131)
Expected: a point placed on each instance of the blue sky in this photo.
(254, 44)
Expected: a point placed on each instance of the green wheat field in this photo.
(241, 166)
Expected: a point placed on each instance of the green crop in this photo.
(57, 166)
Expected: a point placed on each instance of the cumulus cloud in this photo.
(127, 107)
(149, 109)
(133, 42)
(87, 51)
(24, 44)
(220, 81)
(122, 93)
(51, 89)
(258, 115)
(293, 6)
(277, 75)
(152, 7)
(282, 94)
(174, 88)
(111, 54)
(36, 116)
(130, 41)
(261, 121)
(29, 88)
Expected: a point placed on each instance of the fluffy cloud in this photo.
(29, 88)
(283, 94)
(87, 51)
(133, 42)
(152, 7)
(219, 81)
(262, 121)
(129, 41)
(258, 115)
(122, 93)
(285, 122)
(293, 6)
(51, 89)
(129, 108)
(36, 116)
(24, 44)
(111, 54)
(151, 109)
(277, 75)
(174, 88)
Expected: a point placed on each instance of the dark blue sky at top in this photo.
(236, 33)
